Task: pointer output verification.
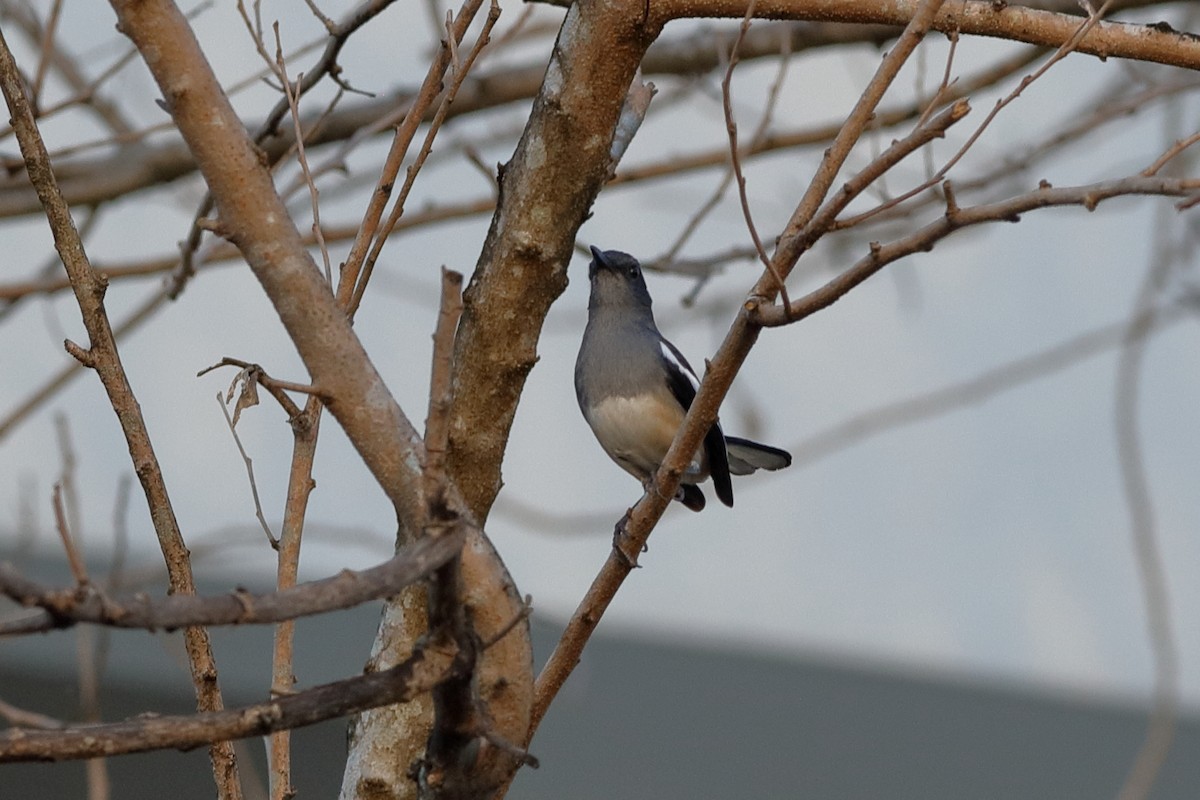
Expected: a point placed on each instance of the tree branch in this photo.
(255, 219)
(418, 674)
(924, 239)
(66, 607)
(1157, 43)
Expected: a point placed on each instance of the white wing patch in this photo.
(679, 365)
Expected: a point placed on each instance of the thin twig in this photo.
(47, 46)
(430, 88)
(21, 718)
(301, 155)
(258, 512)
(946, 83)
(735, 161)
(760, 133)
(305, 429)
(1170, 153)
(78, 570)
(1062, 52)
(461, 69)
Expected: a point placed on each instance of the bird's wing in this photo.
(683, 383)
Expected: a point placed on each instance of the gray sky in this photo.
(992, 540)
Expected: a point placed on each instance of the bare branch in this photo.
(405, 132)
(437, 429)
(255, 219)
(1009, 210)
(344, 590)
(1062, 52)
(426, 667)
(141, 166)
(735, 161)
(305, 427)
(461, 69)
(1018, 23)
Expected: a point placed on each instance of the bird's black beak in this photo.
(598, 261)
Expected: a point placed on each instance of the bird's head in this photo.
(616, 280)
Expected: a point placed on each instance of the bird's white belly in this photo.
(636, 432)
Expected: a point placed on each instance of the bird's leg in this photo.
(619, 534)
(651, 485)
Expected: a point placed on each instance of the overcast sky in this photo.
(991, 540)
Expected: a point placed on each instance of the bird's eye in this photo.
(633, 271)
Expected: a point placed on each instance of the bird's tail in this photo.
(746, 456)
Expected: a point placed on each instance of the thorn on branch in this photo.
(215, 227)
(952, 209)
(84, 357)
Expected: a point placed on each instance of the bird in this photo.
(634, 388)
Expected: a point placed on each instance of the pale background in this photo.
(990, 542)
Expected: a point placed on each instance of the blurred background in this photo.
(940, 598)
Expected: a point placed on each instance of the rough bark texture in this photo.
(547, 189)
(976, 17)
(253, 217)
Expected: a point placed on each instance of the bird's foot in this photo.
(650, 486)
(621, 539)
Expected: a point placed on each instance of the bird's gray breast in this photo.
(619, 356)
